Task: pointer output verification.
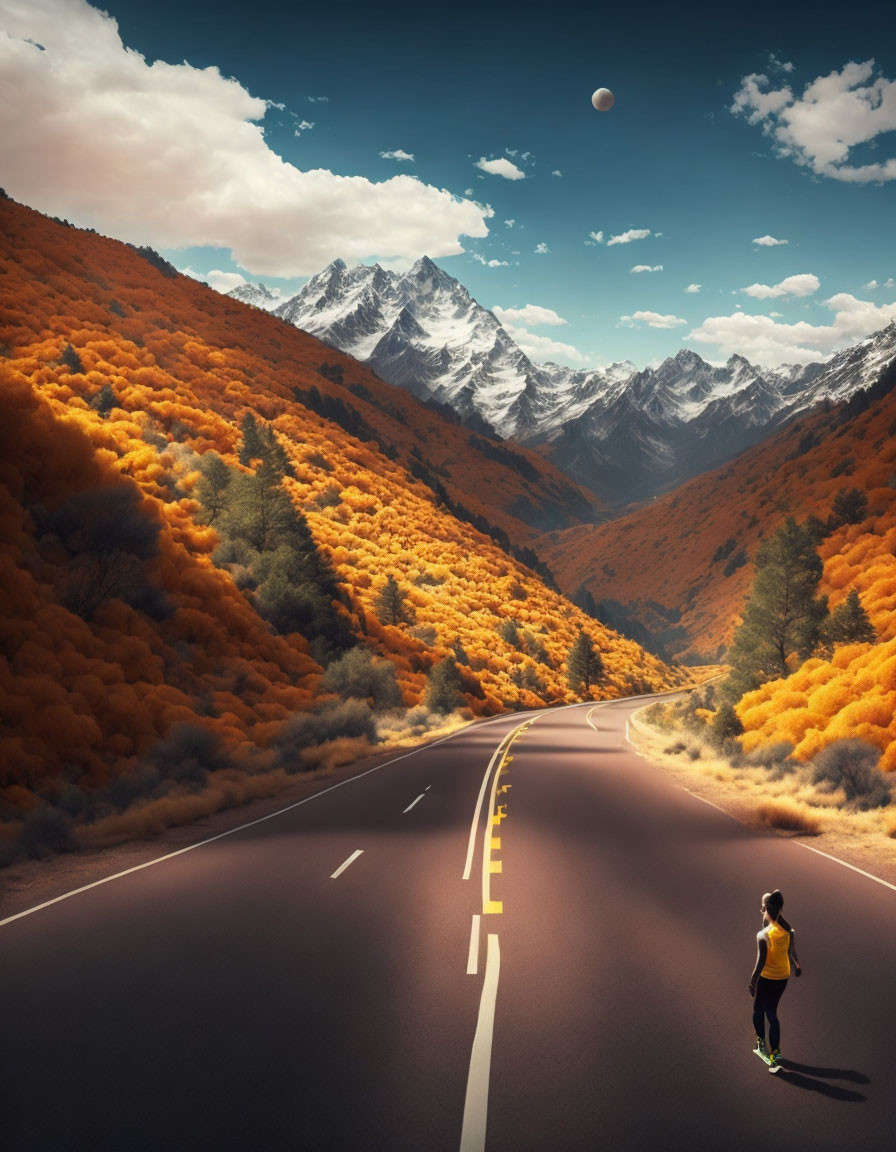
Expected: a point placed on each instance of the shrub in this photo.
(351, 718)
(726, 726)
(47, 832)
(187, 754)
(358, 675)
(777, 759)
(789, 817)
(853, 766)
(443, 687)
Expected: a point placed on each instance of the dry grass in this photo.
(788, 816)
(787, 802)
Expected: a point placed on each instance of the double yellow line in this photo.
(496, 813)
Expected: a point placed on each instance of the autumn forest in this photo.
(232, 556)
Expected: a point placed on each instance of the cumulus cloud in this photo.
(516, 322)
(541, 248)
(556, 172)
(769, 241)
(530, 316)
(493, 263)
(629, 236)
(509, 223)
(803, 285)
(594, 238)
(693, 288)
(94, 133)
(834, 114)
(217, 279)
(501, 167)
(651, 319)
(763, 340)
(647, 268)
(872, 284)
(398, 154)
(303, 126)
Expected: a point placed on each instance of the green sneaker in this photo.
(761, 1049)
(774, 1061)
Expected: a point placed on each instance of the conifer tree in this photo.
(390, 605)
(850, 506)
(251, 447)
(783, 616)
(443, 686)
(213, 485)
(71, 359)
(849, 623)
(584, 666)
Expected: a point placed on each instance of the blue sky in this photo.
(740, 196)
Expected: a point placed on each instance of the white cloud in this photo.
(803, 285)
(693, 288)
(220, 281)
(319, 99)
(647, 268)
(489, 263)
(509, 223)
(651, 319)
(542, 249)
(530, 316)
(501, 167)
(594, 238)
(872, 284)
(398, 154)
(303, 126)
(765, 341)
(835, 113)
(556, 172)
(541, 348)
(628, 237)
(94, 133)
(769, 241)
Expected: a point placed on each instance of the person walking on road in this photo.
(775, 959)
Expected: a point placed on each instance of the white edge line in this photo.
(239, 828)
(476, 1104)
(342, 867)
(837, 860)
(261, 819)
(417, 801)
(473, 956)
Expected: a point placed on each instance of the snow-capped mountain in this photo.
(258, 295)
(623, 432)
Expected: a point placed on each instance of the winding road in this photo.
(521, 937)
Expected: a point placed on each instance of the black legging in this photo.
(765, 1004)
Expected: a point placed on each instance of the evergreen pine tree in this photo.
(584, 666)
(849, 623)
(104, 401)
(443, 686)
(390, 605)
(213, 485)
(251, 447)
(783, 616)
(71, 359)
(850, 506)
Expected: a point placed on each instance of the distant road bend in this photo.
(522, 937)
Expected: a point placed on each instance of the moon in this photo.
(603, 99)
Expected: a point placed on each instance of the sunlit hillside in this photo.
(683, 565)
(150, 672)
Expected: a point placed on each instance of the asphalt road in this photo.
(378, 968)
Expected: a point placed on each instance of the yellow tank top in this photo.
(777, 962)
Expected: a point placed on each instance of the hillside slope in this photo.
(166, 694)
(682, 566)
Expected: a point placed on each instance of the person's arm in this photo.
(791, 952)
(761, 952)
